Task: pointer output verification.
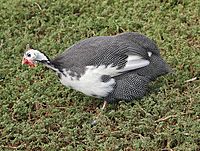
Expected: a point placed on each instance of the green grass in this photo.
(38, 113)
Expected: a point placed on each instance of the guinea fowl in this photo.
(109, 67)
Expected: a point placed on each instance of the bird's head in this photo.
(32, 56)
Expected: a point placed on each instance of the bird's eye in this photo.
(28, 54)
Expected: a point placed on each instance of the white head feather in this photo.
(35, 55)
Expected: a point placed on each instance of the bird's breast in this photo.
(89, 83)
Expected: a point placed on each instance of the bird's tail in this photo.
(156, 68)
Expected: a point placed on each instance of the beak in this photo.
(28, 62)
(24, 61)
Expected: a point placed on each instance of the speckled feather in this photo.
(128, 87)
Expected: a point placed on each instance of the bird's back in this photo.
(104, 50)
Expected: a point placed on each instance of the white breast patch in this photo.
(90, 83)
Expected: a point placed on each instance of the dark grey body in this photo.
(106, 50)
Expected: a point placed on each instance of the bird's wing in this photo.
(143, 41)
(110, 55)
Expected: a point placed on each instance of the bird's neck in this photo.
(49, 65)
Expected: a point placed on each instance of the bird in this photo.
(111, 68)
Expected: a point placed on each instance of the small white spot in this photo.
(149, 53)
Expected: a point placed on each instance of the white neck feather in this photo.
(40, 56)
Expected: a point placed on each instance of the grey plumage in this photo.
(100, 50)
(114, 50)
(128, 87)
